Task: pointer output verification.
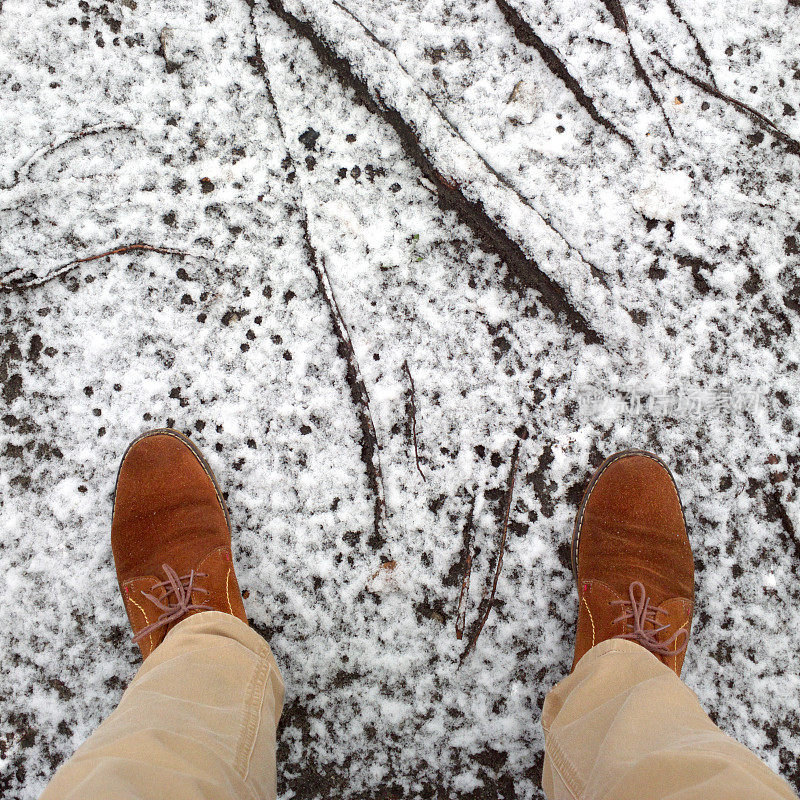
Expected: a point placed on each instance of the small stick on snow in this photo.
(462, 598)
(526, 34)
(615, 8)
(64, 268)
(488, 609)
(56, 144)
(414, 420)
(792, 145)
(370, 447)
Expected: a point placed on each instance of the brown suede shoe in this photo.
(632, 559)
(171, 537)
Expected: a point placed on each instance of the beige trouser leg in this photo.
(197, 723)
(622, 726)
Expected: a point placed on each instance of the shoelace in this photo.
(637, 612)
(182, 587)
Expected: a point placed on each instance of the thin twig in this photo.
(617, 11)
(462, 598)
(414, 418)
(526, 34)
(509, 496)
(51, 148)
(701, 52)
(370, 447)
(64, 268)
(792, 145)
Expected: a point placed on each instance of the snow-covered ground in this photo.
(574, 227)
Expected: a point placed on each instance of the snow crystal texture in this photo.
(259, 222)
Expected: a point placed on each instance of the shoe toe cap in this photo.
(632, 528)
(165, 497)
